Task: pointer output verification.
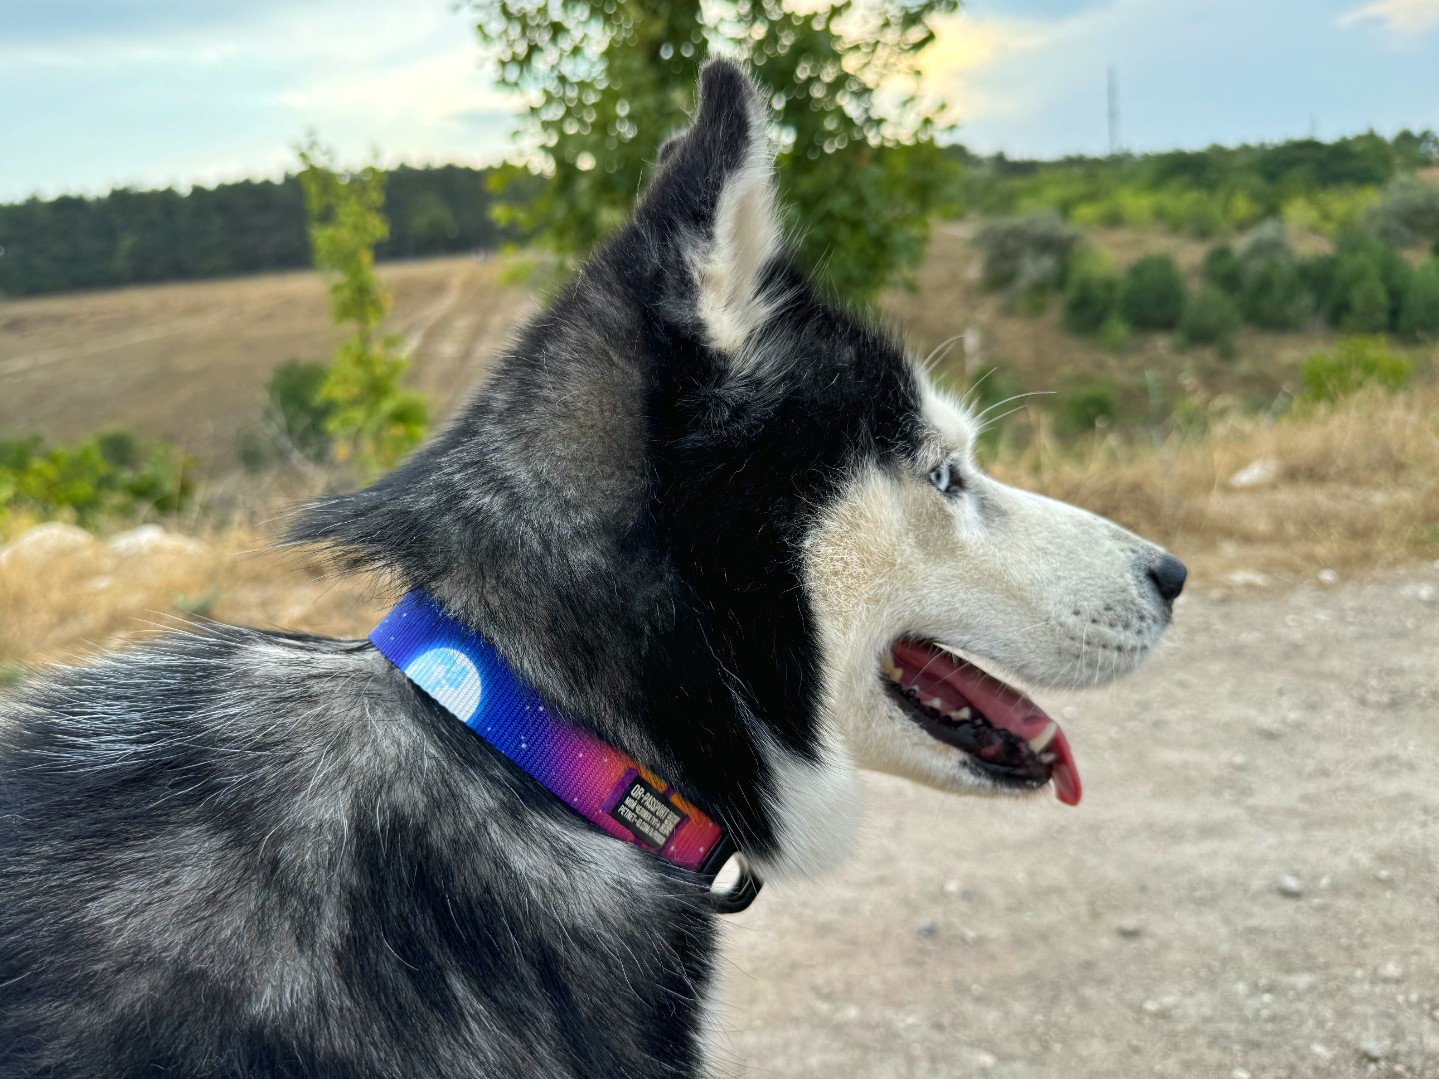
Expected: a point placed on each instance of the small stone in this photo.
(1289, 886)
(1258, 473)
(1372, 1050)
(1239, 1073)
(927, 928)
(1391, 972)
(1129, 930)
(1328, 576)
(1384, 876)
(1248, 578)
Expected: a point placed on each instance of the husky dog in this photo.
(723, 524)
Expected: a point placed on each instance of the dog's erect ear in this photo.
(714, 197)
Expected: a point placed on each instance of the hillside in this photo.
(187, 362)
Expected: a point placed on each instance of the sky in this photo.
(96, 94)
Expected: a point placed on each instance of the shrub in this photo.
(1092, 297)
(1316, 276)
(1267, 242)
(1274, 297)
(114, 475)
(1082, 404)
(1152, 296)
(1223, 270)
(296, 414)
(1027, 253)
(1406, 213)
(1355, 363)
(1210, 318)
(1367, 304)
(1419, 310)
(1360, 260)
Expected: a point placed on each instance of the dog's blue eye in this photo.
(944, 479)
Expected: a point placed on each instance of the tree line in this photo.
(136, 237)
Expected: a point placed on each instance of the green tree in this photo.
(374, 421)
(606, 82)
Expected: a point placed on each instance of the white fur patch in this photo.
(816, 808)
(1034, 587)
(746, 237)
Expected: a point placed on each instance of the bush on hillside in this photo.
(1210, 318)
(1091, 298)
(113, 475)
(1360, 260)
(1406, 213)
(1223, 270)
(295, 414)
(1083, 404)
(1352, 365)
(1368, 308)
(1028, 254)
(1419, 310)
(1274, 297)
(1152, 295)
(1267, 242)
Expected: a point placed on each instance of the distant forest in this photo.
(133, 237)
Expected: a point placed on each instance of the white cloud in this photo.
(1399, 17)
(965, 47)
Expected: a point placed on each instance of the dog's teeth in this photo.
(890, 670)
(935, 703)
(1048, 758)
(1044, 737)
(960, 715)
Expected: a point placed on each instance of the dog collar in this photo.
(466, 676)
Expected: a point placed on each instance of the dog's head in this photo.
(736, 530)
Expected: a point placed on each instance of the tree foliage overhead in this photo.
(606, 81)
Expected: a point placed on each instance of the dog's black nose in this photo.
(1168, 575)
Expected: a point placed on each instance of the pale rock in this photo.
(1259, 473)
(151, 540)
(47, 543)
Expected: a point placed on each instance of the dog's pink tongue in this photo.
(935, 672)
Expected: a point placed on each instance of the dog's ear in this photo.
(714, 198)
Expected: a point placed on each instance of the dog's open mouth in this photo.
(1006, 734)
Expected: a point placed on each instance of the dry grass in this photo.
(1356, 487)
(77, 596)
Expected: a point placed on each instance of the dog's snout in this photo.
(1168, 575)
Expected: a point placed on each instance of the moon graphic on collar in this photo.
(450, 677)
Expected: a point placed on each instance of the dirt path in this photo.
(1151, 931)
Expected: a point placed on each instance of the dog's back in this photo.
(236, 854)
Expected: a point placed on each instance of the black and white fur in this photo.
(691, 505)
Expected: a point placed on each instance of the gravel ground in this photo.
(1250, 888)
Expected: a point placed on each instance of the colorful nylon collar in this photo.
(466, 676)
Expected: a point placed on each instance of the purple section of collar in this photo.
(469, 679)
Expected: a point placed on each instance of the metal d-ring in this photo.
(739, 895)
